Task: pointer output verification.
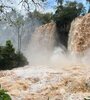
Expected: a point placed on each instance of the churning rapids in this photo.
(54, 73)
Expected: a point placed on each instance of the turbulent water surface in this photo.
(53, 73)
(43, 82)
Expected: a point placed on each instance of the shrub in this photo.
(4, 95)
(43, 17)
(9, 58)
(87, 98)
(20, 59)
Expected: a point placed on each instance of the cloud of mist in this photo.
(38, 45)
(43, 51)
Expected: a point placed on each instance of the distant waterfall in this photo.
(42, 43)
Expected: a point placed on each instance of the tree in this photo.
(89, 5)
(42, 17)
(63, 17)
(88, 1)
(68, 12)
(60, 2)
(16, 20)
(27, 4)
(4, 8)
(4, 95)
(9, 57)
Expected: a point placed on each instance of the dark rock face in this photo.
(62, 33)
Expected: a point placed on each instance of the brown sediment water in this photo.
(53, 73)
(79, 37)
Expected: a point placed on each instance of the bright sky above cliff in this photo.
(51, 3)
(49, 6)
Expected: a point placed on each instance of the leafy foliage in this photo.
(4, 95)
(89, 5)
(64, 15)
(20, 59)
(59, 2)
(16, 20)
(9, 58)
(43, 17)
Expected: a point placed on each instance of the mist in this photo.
(39, 45)
(42, 49)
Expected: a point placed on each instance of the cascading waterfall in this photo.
(79, 39)
(42, 44)
(72, 82)
(42, 48)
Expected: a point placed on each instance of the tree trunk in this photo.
(19, 40)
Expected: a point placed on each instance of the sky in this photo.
(51, 4)
(48, 7)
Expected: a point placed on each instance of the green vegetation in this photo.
(65, 13)
(43, 17)
(16, 20)
(87, 98)
(9, 58)
(4, 95)
(89, 5)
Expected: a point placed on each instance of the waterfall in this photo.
(79, 37)
(42, 43)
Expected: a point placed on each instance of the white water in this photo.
(43, 51)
